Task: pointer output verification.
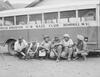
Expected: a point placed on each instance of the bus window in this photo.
(38, 22)
(68, 16)
(35, 19)
(32, 22)
(9, 21)
(51, 17)
(1, 21)
(21, 20)
(64, 20)
(87, 14)
(48, 21)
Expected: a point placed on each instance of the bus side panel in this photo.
(15, 34)
(90, 32)
(92, 37)
(37, 34)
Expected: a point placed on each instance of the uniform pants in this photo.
(19, 54)
(67, 53)
(56, 52)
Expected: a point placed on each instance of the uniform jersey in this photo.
(82, 45)
(46, 44)
(56, 43)
(33, 47)
(19, 47)
(67, 43)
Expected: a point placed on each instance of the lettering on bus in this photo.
(53, 25)
(76, 24)
(39, 26)
(70, 24)
(15, 27)
(3, 28)
(11, 27)
(44, 26)
(28, 27)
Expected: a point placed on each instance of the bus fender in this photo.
(10, 40)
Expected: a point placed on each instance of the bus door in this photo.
(99, 29)
(92, 29)
(99, 37)
(88, 16)
(92, 37)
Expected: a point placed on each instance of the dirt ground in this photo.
(11, 66)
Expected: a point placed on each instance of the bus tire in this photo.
(11, 48)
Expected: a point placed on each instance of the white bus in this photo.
(33, 23)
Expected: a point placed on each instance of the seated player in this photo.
(32, 50)
(81, 47)
(20, 47)
(67, 47)
(56, 48)
(44, 48)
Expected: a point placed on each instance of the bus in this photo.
(35, 22)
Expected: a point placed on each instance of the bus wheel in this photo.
(11, 48)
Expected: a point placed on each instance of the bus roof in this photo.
(60, 2)
(45, 9)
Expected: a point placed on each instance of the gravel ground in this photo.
(11, 66)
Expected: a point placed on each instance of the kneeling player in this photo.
(44, 48)
(20, 47)
(32, 50)
(56, 48)
(67, 47)
(81, 47)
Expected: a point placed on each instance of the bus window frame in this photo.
(21, 20)
(9, 20)
(29, 16)
(95, 18)
(76, 14)
(49, 18)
